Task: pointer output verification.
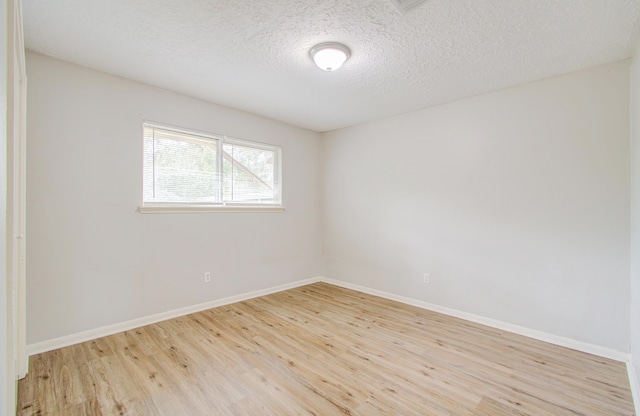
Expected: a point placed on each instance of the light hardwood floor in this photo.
(321, 350)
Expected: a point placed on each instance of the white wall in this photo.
(635, 213)
(92, 259)
(516, 202)
(6, 307)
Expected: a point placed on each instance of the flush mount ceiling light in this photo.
(329, 56)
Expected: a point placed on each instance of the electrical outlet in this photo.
(426, 279)
(207, 277)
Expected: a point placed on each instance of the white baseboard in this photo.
(494, 323)
(633, 383)
(65, 341)
(91, 334)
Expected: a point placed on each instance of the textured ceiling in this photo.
(253, 55)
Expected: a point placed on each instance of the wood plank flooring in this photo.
(321, 350)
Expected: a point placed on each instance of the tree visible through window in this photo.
(182, 167)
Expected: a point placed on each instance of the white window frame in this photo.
(222, 206)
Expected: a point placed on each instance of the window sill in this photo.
(185, 209)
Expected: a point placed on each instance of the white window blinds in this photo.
(248, 174)
(182, 167)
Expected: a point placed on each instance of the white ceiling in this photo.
(253, 55)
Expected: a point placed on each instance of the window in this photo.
(191, 169)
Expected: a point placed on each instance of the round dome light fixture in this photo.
(329, 56)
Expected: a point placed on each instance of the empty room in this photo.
(354, 207)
